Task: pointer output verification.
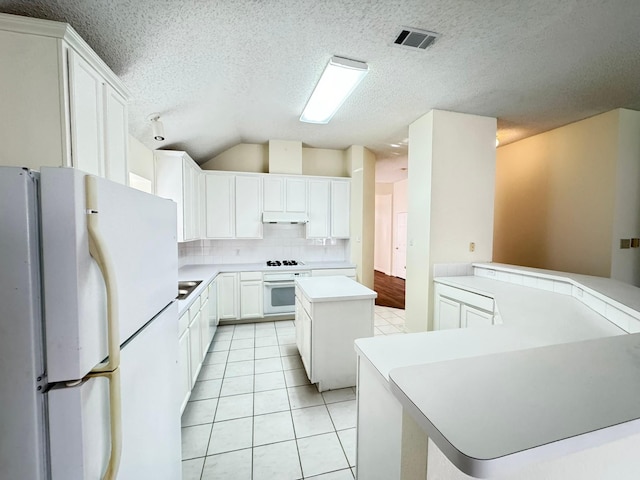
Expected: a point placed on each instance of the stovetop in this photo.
(283, 263)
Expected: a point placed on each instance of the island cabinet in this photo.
(331, 312)
(62, 103)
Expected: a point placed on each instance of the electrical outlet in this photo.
(472, 247)
(625, 243)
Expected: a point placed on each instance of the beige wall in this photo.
(555, 197)
(384, 188)
(450, 201)
(625, 263)
(250, 157)
(244, 157)
(324, 162)
(285, 156)
(361, 164)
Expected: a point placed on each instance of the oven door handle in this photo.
(281, 283)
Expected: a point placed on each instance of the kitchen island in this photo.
(392, 437)
(331, 312)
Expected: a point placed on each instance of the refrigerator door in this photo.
(139, 230)
(21, 360)
(79, 416)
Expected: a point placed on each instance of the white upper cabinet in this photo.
(116, 136)
(220, 205)
(248, 206)
(285, 194)
(329, 208)
(66, 107)
(319, 208)
(87, 114)
(340, 208)
(178, 179)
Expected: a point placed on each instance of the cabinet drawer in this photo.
(204, 295)
(250, 276)
(464, 296)
(194, 308)
(183, 323)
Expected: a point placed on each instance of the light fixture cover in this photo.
(340, 77)
(156, 127)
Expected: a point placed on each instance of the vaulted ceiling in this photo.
(224, 72)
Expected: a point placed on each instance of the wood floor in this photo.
(390, 290)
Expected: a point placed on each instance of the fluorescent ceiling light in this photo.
(339, 79)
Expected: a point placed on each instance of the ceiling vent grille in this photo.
(415, 38)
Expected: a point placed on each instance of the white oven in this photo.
(280, 292)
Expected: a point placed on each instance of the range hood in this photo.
(282, 217)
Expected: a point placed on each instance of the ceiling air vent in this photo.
(415, 38)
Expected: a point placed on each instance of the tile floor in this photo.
(253, 414)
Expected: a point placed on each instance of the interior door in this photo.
(400, 246)
(383, 232)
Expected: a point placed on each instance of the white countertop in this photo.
(207, 272)
(623, 293)
(333, 288)
(493, 412)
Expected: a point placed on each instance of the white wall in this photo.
(451, 192)
(141, 165)
(383, 233)
(400, 205)
(361, 164)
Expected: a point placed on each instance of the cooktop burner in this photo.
(285, 263)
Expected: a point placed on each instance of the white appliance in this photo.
(88, 352)
(279, 287)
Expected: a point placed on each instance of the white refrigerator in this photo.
(88, 329)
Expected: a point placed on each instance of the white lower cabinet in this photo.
(183, 363)
(195, 347)
(240, 295)
(195, 334)
(251, 294)
(458, 308)
(228, 296)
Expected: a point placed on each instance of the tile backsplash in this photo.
(279, 242)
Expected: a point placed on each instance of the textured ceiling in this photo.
(233, 71)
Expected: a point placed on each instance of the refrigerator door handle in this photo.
(100, 253)
(115, 415)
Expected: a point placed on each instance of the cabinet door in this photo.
(213, 305)
(220, 208)
(228, 296)
(273, 193)
(340, 208)
(296, 195)
(187, 204)
(248, 212)
(87, 115)
(472, 317)
(446, 313)
(116, 136)
(305, 343)
(194, 199)
(195, 347)
(205, 337)
(319, 192)
(183, 367)
(251, 305)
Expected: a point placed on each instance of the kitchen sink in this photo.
(186, 287)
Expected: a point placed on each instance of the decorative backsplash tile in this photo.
(278, 242)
